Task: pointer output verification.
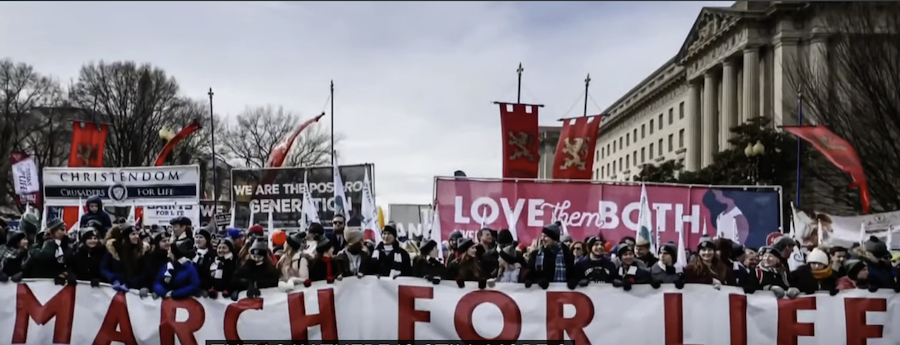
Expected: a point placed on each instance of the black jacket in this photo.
(802, 278)
(383, 262)
(429, 267)
(265, 275)
(597, 271)
(545, 269)
(224, 282)
(84, 264)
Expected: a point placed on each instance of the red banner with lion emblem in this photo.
(519, 124)
(88, 144)
(574, 159)
(840, 153)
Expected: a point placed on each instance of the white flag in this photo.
(821, 232)
(77, 226)
(252, 217)
(271, 224)
(341, 206)
(434, 231)
(681, 260)
(233, 215)
(131, 215)
(309, 208)
(483, 218)
(25, 177)
(369, 209)
(645, 222)
(862, 233)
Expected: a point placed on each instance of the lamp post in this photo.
(754, 152)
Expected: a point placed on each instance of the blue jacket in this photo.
(112, 268)
(100, 216)
(185, 281)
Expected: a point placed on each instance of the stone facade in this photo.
(732, 66)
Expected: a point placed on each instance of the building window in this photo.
(627, 139)
(651, 127)
(671, 115)
(614, 168)
(671, 139)
(621, 167)
(614, 146)
(608, 152)
(634, 135)
(660, 121)
(627, 162)
(602, 152)
(620, 144)
(643, 131)
(602, 172)
(681, 138)
(651, 151)
(634, 158)
(680, 110)
(608, 170)
(660, 148)
(643, 154)
(596, 155)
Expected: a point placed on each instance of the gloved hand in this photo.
(144, 292)
(120, 287)
(716, 284)
(482, 284)
(307, 283)
(235, 295)
(95, 282)
(679, 284)
(339, 278)
(3, 277)
(286, 286)
(655, 284)
(253, 291)
(212, 294)
(544, 284)
(749, 289)
(626, 285)
(571, 284)
(897, 287)
(584, 283)
(59, 280)
(204, 293)
(71, 279)
(169, 294)
(16, 278)
(777, 290)
(226, 294)
(360, 275)
(491, 283)
(873, 288)
(329, 280)
(617, 283)
(834, 291)
(155, 296)
(528, 284)
(792, 293)
(436, 280)
(461, 283)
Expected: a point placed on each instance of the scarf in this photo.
(59, 251)
(822, 274)
(354, 261)
(398, 258)
(201, 253)
(559, 267)
(216, 269)
(329, 275)
(674, 269)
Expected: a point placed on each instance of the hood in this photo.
(94, 199)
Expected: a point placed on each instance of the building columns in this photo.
(692, 159)
(729, 116)
(751, 87)
(710, 123)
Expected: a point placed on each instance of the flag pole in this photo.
(799, 147)
(331, 97)
(587, 86)
(519, 87)
(212, 138)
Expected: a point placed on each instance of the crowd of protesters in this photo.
(182, 261)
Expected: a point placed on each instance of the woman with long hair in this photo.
(467, 266)
(706, 268)
(123, 264)
(294, 264)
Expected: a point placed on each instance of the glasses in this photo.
(337, 223)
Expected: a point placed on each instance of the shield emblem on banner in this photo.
(770, 239)
(118, 192)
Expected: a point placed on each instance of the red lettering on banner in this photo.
(169, 328)
(61, 306)
(558, 325)
(858, 331)
(512, 316)
(407, 314)
(673, 319)
(300, 321)
(737, 314)
(116, 319)
(788, 327)
(233, 313)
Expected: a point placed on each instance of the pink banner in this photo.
(612, 210)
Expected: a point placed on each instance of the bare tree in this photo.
(23, 90)
(850, 83)
(256, 131)
(136, 101)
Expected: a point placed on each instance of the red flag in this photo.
(88, 144)
(519, 126)
(574, 159)
(184, 133)
(839, 152)
(280, 151)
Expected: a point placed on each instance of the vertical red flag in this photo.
(88, 145)
(280, 151)
(519, 126)
(840, 153)
(574, 159)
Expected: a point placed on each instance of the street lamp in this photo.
(755, 152)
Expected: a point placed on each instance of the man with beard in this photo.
(594, 267)
(354, 259)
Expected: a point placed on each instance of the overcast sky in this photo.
(414, 80)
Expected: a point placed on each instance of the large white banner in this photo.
(161, 215)
(25, 177)
(370, 309)
(845, 230)
(165, 185)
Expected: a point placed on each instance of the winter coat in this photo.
(514, 273)
(881, 275)
(466, 269)
(180, 278)
(424, 266)
(660, 273)
(845, 283)
(698, 273)
(339, 242)
(264, 275)
(600, 270)
(738, 271)
(343, 262)
(294, 267)
(391, 263)
(153, 262)
(100, 216)
(221, 273)
(489, 258)
(802, 278)
(546, 269)
(637, 273)
(766, 278)
(323, 269)
(12, 260)
(201, 262)
(47, 261)
(649, 260)
(114, 270)
(84, 264)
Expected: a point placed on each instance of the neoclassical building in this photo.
(732, 66)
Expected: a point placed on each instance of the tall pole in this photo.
(799, 147)
(519, 88)
(587, 87)
(331, 97)
(212, 139)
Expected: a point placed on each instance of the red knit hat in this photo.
(256, 229)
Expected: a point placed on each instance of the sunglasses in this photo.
(337, 223)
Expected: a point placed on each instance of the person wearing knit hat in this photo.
(323, 266)
(294, 263)
(451, 252)
(13, 255)
(389, 230)
(505, 238)
(178, 278)
(256, 231)
(771, 275)
(630, 270)
(315, 230)
(48, 261)
(707, 268)
(595, 266)
(388, 258)
(467, 266)
(510, 266)
(221, 269)
(354, 259)
(237, 237)
(816, 274)
(125, 264)
(878, 261)
(785, 247)
(724, 252)
(257, 273)
(666, 271)
(428, 265)
(857, 275)
(552, 262)
(85, 263)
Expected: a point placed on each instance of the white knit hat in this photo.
(817, 255)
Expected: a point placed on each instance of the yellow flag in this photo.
(380, 217)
